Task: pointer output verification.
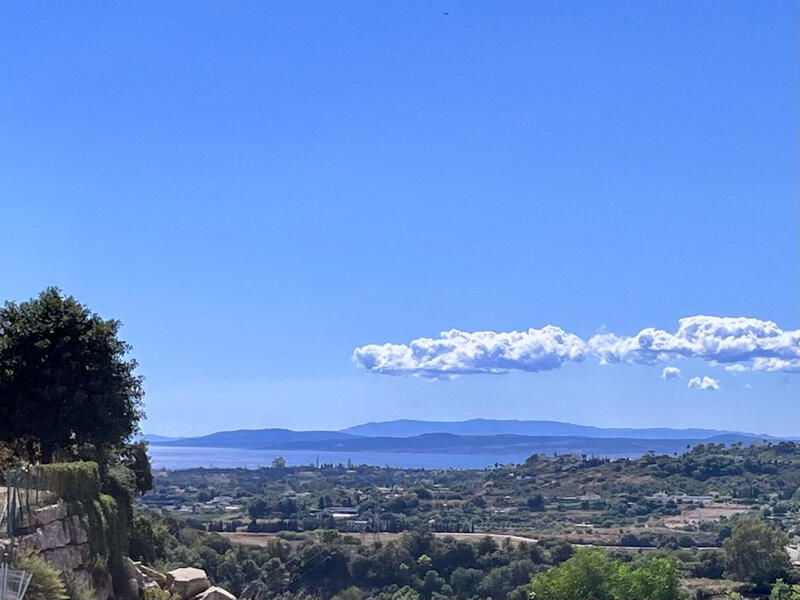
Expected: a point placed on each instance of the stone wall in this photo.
(61, 538)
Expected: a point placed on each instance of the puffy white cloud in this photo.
(670, 373)
(457, 352)
(737, 343)
(704, 383)
(776, 364)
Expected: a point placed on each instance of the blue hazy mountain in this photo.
(468, 437)
(448, 443)
(254, 438)
(473, 427)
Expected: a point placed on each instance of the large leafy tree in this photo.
(755, 552)
(593, 574)
(66, 380)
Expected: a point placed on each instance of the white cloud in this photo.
(737, 343)
(776, 364)
(704, 383)
(747, 386)
(670, 373)
(457, 352)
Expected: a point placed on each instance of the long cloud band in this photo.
(739, 343)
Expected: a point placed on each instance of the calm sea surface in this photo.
(174, 457)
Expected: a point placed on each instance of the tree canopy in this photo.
(66, 380)
(593, 574)
(755, 552)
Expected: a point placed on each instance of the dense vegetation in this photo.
(361, 531)
(569, 497)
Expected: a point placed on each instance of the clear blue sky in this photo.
(256, 189)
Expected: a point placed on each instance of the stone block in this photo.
(48, 514)
(77, 530)
(159, 578)
(67, 558)
(52, 535)
(187, 582)
(215, 593)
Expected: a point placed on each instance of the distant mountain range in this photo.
(408, 428)
(448, 443)
(253, 438)
(477, 436)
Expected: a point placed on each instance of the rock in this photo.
(133, 572)
(67, 558)
(134, 590)
(77, 531)
(48, 514)
(145, 576)
(215, 593)
(103, 586)
(52, 536)
(159, 578)
(187, 582)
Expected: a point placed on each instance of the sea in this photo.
(185, 457)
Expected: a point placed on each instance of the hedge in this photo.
(73, 481)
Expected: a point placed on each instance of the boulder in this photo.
(159, 578)
(141, 577)
(48, 514)
(187, 582)
(215, 593)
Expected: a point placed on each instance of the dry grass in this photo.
(712, 512)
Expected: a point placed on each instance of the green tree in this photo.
(465, 581)
(65, 377)
(593, 574)
(536, 502)
(784, 591)
(756, 553)
(652, 578)
(134, 457)
(588, 574)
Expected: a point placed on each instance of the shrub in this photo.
(46, 582)
(156, 593)
(784, 591)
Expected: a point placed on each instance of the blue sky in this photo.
(257, 189)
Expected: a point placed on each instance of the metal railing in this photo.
(13, 583)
